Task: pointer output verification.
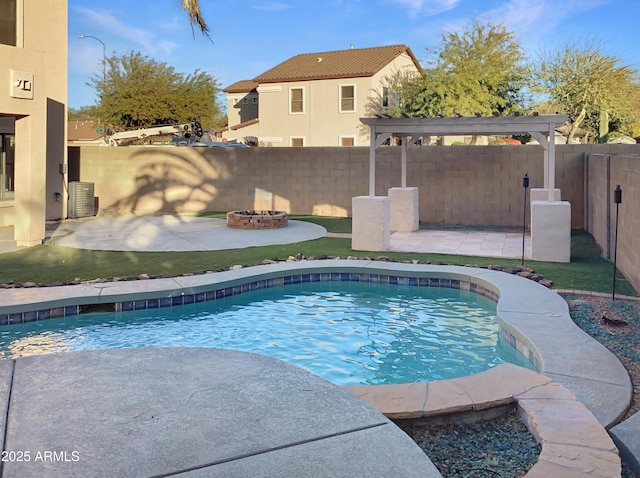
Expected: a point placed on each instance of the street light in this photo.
(104, 54)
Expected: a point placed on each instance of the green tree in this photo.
(478, 71)
(82, 113)
(141, 92)
(594, 89)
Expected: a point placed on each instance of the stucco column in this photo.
(542, 194)
(30, 177)
(551, 231)
(370, 223)
(403, 205)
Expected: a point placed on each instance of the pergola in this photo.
(541, 127)
(375, 216)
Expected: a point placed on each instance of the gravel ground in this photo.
(499, 447)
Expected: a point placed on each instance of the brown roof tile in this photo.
(242, 86)
(83, 130)
(351, 63)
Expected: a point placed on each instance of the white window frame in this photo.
(291, 99)
(340, 109)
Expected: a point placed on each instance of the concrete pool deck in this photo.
(188, 233)
(190, 412)
(535, 319)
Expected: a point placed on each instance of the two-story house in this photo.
(315, 99)
(33, 97)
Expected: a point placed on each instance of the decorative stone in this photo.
(244, 219)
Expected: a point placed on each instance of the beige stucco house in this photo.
(315, 99)
(33, 98)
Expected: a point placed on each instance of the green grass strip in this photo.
(48, 264)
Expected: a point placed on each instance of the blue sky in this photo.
(250, 36)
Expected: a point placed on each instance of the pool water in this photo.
(349, 333)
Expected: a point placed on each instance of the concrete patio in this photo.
(190, 412)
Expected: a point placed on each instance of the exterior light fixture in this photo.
(525, 185)
(617, 199)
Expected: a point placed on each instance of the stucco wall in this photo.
(474, 185)
(604, 173)
(40, 120)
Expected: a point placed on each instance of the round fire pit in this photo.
(257, 219)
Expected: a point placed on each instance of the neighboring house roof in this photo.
(245, 123)
(351, 63)
(83, 130)
(242, 86)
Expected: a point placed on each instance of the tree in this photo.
(479, 71)
(594, 89)
(140, 92)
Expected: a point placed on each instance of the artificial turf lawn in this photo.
(50, 263)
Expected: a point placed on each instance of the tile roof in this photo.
(242, 86)
(83, 130)
(351, 63)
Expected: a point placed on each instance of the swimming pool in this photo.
(350, 333)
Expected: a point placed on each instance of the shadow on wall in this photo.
(173, 181)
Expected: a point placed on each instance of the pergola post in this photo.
(372, 162)
(403, 161)
(550, 218)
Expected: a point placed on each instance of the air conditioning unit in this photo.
(81, 199)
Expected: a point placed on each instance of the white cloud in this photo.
(142, 39)
(271, 7)
(427, 7)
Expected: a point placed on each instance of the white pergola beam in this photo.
(541, 127)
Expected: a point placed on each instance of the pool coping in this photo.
(532, 318)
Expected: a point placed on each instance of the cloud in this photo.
(537, 18)
(271, 7)
(103, 20)
(427, 7)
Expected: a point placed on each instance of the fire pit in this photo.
(257, 219)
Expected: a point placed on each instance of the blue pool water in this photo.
(349, 333)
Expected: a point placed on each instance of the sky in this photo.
(249, 37)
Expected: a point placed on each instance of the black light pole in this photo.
(525, 185)
(617, 199)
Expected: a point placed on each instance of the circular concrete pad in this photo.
(175, 233)
(193, 412)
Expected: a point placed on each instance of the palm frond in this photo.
(192, 7)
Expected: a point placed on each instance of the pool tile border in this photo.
(221, 293)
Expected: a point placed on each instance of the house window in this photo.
(347, 141)
(7, 165)
(297, 142)
(8, 22)
(347, 98)
(385, 97)
(296, 100)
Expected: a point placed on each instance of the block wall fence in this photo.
(465, 185)
(603, 172)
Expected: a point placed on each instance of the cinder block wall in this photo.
(604, 172)
(467, 185)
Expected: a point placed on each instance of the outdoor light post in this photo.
(104, 55)
(525, 185)
(617, 199)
